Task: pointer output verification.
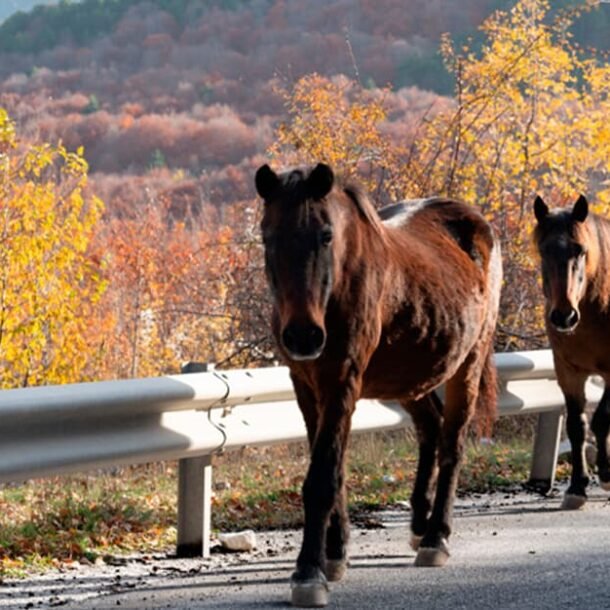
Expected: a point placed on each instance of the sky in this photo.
(8, 7)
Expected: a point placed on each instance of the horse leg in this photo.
(460, 400)
(600, 425)
(337, 536)
(573, 387)
(426, 414)
(308, 407)
(337, 533)
(576, 426)
(322, 490)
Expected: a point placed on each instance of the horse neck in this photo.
(363, 256)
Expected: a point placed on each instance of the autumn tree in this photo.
(172, 271)
(50, 282)
(530, 116)
(338, 122)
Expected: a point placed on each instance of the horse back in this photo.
(443, 225)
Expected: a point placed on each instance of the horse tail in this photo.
(486, 409)
(487, 401)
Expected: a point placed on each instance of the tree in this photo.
(169, 280)
(530, 117)
(337, 122)
(50, 280)
(93, 105)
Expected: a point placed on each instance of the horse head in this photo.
(298, 231)
(563, 239)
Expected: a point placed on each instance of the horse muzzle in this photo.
(564, 321)
(303, 341)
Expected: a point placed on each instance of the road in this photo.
(512, 551)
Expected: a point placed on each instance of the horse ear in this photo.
(541, 209)
(320, 181)
(266, 181)
(580, 209)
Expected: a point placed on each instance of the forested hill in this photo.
(82, 23)
(191, 85)
(404, 43)
(45, 34)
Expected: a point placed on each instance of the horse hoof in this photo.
(605, 485)
(415, 541)
(335, 569)
(310, 593)
(573, 502)
(432, 557)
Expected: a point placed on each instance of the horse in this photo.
(386, 305)
(574, 249)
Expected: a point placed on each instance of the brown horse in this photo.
(574, 248)
(390, 306)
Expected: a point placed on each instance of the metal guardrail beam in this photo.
(196, 391)
(56, 429)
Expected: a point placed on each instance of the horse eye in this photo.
(326, 237)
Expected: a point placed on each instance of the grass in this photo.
(86, 518)
(56, 521)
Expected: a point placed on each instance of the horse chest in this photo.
(588, 348)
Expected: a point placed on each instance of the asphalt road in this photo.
(508, 551)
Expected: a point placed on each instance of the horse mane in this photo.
(363, 204)
(294, 180)
(600, 229)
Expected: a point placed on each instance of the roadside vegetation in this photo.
(83, 519)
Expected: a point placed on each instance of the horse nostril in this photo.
(289, 338)
(316, 337)
(556, 318)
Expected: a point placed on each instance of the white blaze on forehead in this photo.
(398, 214)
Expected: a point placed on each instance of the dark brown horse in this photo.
(574, 247)
(390, 306)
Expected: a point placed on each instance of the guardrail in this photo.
(51, 430)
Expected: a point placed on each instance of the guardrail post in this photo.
(546, 450)
(194, 496)
(194, 506)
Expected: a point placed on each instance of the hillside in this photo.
(44, 37)
(182, 85)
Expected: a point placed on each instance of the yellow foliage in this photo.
(336, 122)
(48, 280)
